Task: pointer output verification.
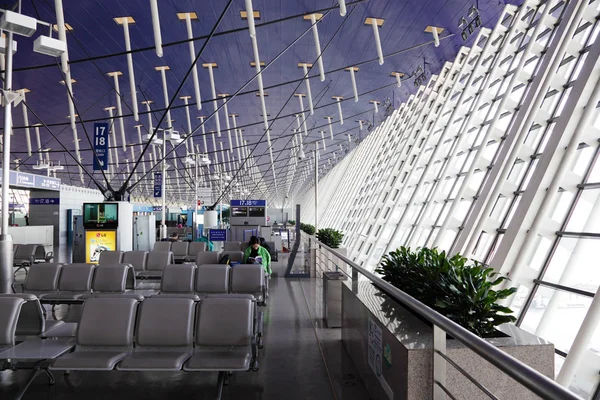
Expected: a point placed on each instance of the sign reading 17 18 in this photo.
(248, 203)
(101, 146)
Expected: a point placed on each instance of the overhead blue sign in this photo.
(248, 203)
(101, 146)
(217, 235)
(45, 201)
(158, 184)
(23, 179)
(156, 208)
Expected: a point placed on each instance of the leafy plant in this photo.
(291, 222)
(330, 237)
(307, 228)
(464, 293)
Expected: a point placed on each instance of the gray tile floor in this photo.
(301, 360)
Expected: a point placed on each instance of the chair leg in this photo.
(28, 382)
(220, 382)
(51, 380)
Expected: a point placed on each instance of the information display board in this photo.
(248, 212)
(217, 235)
(100, 215)
(98, 241)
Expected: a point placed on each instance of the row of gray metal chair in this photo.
(189, 280)
(25, 255)
(149, 265)
(182, 251)
(218, 333)
(62, 284)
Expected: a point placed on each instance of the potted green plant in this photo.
(330, 237)
(465, 293)
(291, 222)
(307, 228)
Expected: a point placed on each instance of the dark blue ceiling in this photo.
(96, 34)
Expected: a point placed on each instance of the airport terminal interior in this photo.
(300, 199)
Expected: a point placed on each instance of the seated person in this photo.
(174, 237)
(256, 254)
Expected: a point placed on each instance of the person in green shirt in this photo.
(256, 254)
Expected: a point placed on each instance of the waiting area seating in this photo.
(25, 255)
(182, 251)
(216, 334)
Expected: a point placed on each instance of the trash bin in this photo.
(332, 298)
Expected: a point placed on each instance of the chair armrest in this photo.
(15, 284)
(49, 256)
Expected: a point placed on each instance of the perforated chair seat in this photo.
(220, 359)
(89, 360)
(154, 361)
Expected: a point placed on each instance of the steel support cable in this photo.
(266, 87)
(178, 42)
(288, 99)
(228, 99)
(204, 45)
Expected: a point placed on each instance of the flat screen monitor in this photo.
(100, 215)
(256, 211)
(239, 211)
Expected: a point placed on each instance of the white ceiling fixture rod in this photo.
(113, 134)
(353, 70)
(150, 127)
(163, 76)
(111, 165)
(235, 131)
(189, 126)
(64, 59)
(190, 33)
(175, 157)
(376, 23)
(339, 105)
(398, 76)
(330, 126)
(125, 21)
(300, 96)
(214, 142)
(360, 124)
(213, 90)
(38, 139)
(323, 139)
(26, 121)
(252, 29)
(375, 105)
(304, 67)
(224, 96)
(115, 75)
(313, 20)
(135, 175)
(139, 132)
(342, 4)
(156, 28)
(201, 118)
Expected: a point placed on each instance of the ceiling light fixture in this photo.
(376, 23)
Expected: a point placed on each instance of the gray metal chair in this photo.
(157, 261)
(111, 257)
(32, 320)
(232, 246)
(180, 251)
(212, 278)
(207, 257)
(225, 340)
(24, 256)
(75, 281)
(42, 279)
(249, 279)
(195, 248)
(110, 278)
(164, 337)
(104, 335)
(235, 256)
(138, 259)
(10, 308)
(162, 246)
(178, 278)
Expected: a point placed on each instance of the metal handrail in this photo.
(538, 383)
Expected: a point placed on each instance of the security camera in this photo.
(301, 155)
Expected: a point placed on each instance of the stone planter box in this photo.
(406, 351)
